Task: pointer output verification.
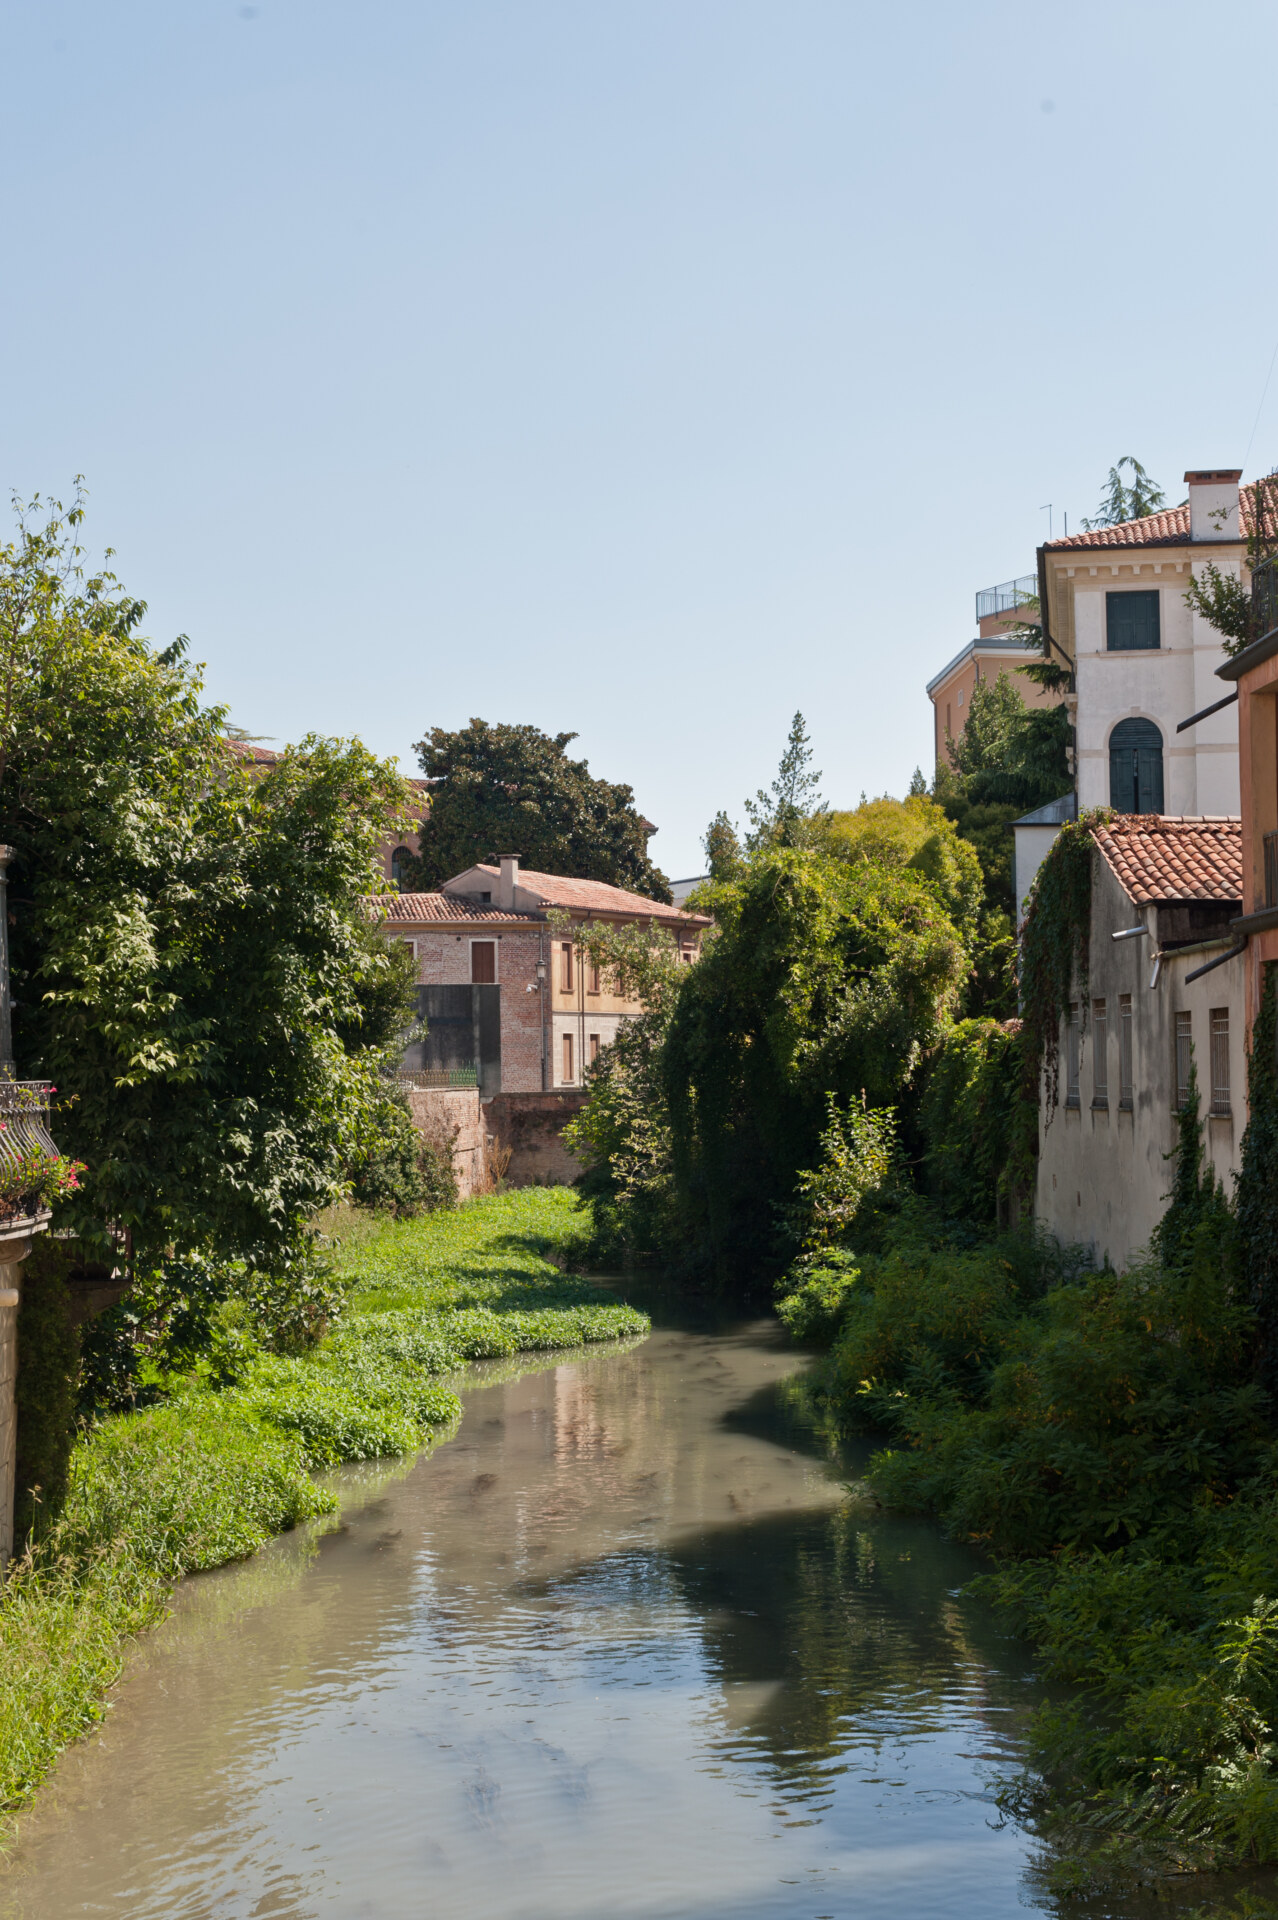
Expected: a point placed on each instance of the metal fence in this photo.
(425, 1077)
(1007, 597)
(24, 1116)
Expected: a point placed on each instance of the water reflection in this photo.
(625, 1645)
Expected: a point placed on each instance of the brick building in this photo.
(508, 998)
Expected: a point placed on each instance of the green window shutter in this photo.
(1131, 622)
(1136, 767)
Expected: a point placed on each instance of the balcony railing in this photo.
(24, 1123)
(1271, 869)
(1007, 597)
(1264, 597)
(427, 1077)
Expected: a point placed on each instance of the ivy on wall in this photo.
(1055, 944)
(1256, 1196)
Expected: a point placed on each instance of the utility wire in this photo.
(1263, 391)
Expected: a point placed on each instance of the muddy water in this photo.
(624, 1646)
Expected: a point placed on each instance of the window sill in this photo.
(1127, 1106)
(1073, 1106)
(1220, 1113)
(1101, 1106)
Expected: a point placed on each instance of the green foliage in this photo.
(979, 1123)
(207, 1475)
(913, 834)
(503, 789)
(394, 1170)
(813, 1297)
(192, 963)
(723, 848)
(1257, 1192)
(1055, 944)
(1009, 754)
(857, 1152)
(1121, 502)
(826, 978)
(1222, 599)
(781, 816)
(45, 1390)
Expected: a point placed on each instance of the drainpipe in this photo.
(543, 975)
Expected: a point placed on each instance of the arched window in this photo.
(399, 859)
(1136, 767)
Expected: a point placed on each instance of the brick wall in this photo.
(530, 1125)
(452, 1114)
(443, 960)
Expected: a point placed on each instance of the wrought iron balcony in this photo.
(1007, 597)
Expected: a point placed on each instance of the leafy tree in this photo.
(723, 848)
(1120, 502)
(507, 789)
(779, 817)
(826, 978)
(914, 834)
(1226, 602)
(192, 963)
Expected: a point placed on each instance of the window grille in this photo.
(1126, 1077)
(1184, 1057)
(1073, 1058)
(1220, 1061)
(1100, 1054)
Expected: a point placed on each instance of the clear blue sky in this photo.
(647, 370)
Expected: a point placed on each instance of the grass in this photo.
(208, 1476)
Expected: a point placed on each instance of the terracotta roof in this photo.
(249, 750)
(1169, 856)
(596, 896)
(414, 908)
(1167, 529)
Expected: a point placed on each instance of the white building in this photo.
(1169, 988)
(1114, 607)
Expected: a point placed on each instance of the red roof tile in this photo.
(1167, 529)
(597, 896)
(1162, 856)
(413, 909)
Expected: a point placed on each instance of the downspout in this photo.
(545, 976)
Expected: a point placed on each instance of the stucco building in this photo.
(1165, 985)
(996, 650)
(1254, 673)
(1113, 605)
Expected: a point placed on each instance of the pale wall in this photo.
(1102, 1174)
(452, 1117)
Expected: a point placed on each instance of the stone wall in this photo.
(529, 1127)
(452, 1114)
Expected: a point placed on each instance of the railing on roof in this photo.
(1264, 597)
(426, 1077)
(1007, 597)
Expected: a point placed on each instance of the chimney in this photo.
(1213, 504)
(509, 864)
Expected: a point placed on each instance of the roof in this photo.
(593, 896)
(995, 643)
(414, 908)
(1167, 529)
(1054, 814)
(1168, 856)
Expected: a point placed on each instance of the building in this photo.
(1254, 673)
(510, 1001)
(997, 649)
(1166, 985)
(1113, 608)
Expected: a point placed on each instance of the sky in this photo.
(643, 371)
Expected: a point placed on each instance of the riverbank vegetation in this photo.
(225, 1435)
(826, 1105)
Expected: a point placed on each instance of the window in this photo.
(567, 1058)
(485, 899)
(1220, 1061)
(483, 962)
(594, 1048)
(1125, 1076)
(399, 864)
(1073, 1057)
(592, 977)
(959, 696)
(1131, 622)
(949, 727)
(1136, 767)
(1100, 1055)
(565, 966)
(1184, 1057)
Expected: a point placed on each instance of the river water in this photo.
(626, 1645)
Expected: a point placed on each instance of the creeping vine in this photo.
(1055, 942)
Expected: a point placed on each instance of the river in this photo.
(626, 1645)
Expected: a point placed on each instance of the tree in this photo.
(1233, 606)
(193, 965)
(778, 817)
(723, 848)
(513, 789)
(1119, 502)
(915, 835)
(826, 978)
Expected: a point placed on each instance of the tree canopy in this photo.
(1121, 501)
(513, 789)
(193, 966)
